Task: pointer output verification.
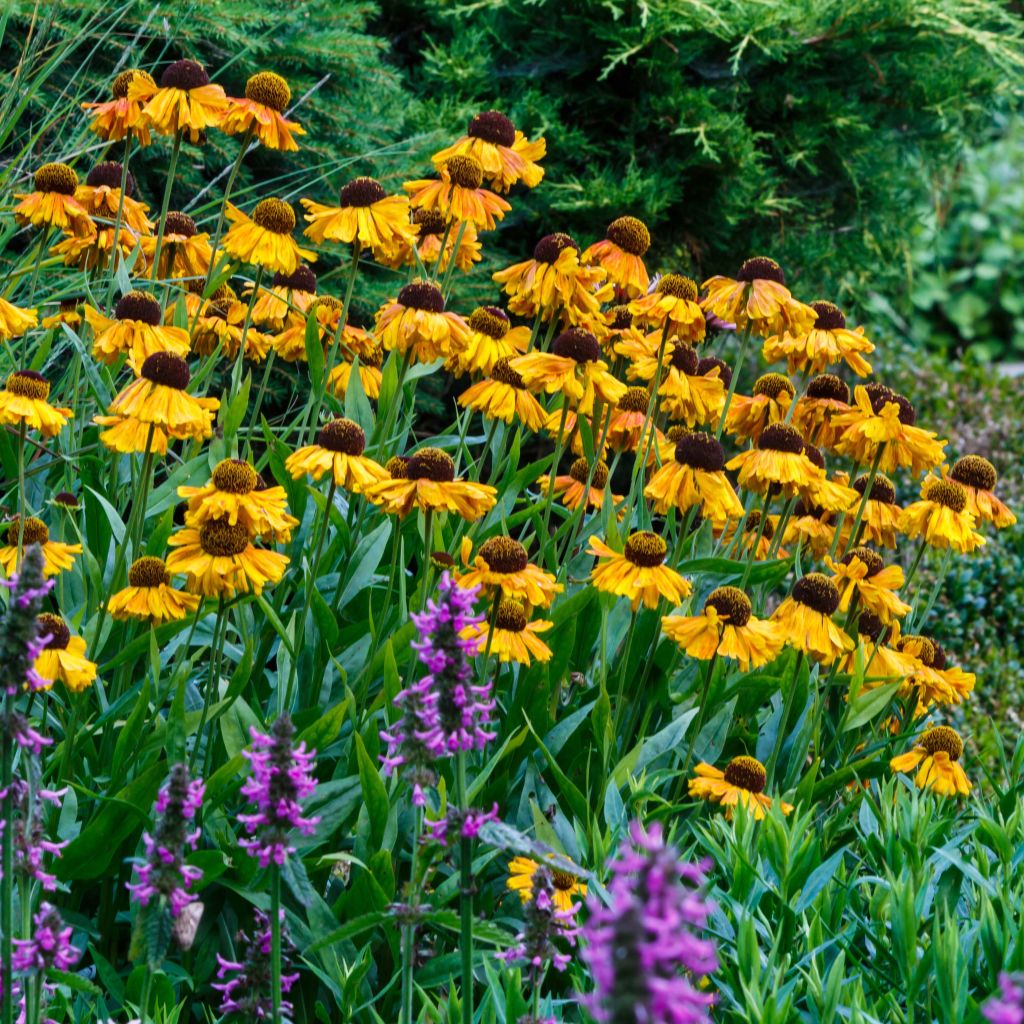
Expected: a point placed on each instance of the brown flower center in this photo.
(974, 471)
(430, 222)
(580, 470)
(178, 223)
(828, 385)
(167, 369)
(422, 295)
(362, 192)
(28, 384)
(563, 881)
(268, 89)
(302, 279)
(630, 234)
(431, 464)
(619, 318)
(65, 499)
(871, 560)
(275, 215)
(635, 400)
(771, 385)
(148, 572)
(679, 286)
(731, 604)
(645, 549)
(397, 467)
(342, 435)
(817, 591)
(503, 554)
(492, 126)
(882, 489)
(700, 451)
(752, 525)
(184, 74)
(140, 306)
(747, 773)
(55, 628)
(35, 532)
(946, 492)
(465, 171)
(708, 363)
(577, 344)
(684, 359)
(511, 616)
(830, 316)
(761, 268)
(550, 247)
(108, 173)
(122, 82)
(490, 320)
(942, 737)
(504, 374)
(56, 177)
(781, 437)
(220, 539)
(235, 476)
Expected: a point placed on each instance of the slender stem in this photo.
(701, 712)
(21, 491)
(119, 217)
(147, 988)
(553, 472)
(275, 943)
(215, 241)
(872, 473)
(465, 897)
(912, 571)
(752, 557)
(647, 431)
(145, 482)
(788, 699)
(7, 884)
(450, 269)
(211, 685)
(255, 418)
(440, 252)
(744, 344)
(165, 204)
(409, 928)
(236, 372)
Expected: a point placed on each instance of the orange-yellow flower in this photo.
(101, 197)
(185, 253)
(672, 307)
(136, 331)
(15, 321)
(772, 396)
(52, 202)
(691, 389)
(695, 476)
(266, 239)
(826, 397)
(742, 782)
(573, 368)
(338, 450)
(491, 337)
(977, 476)
(572, 489)
(778, 462)
(63, 657)
(24, 401)
(186, 101)
(260, 113)
(122, 114)
(365, 214)
(757, 299)
(942, 517)
(416, 324)
(862, 573)
(57, 556)
(512, 636)
(638, 571)
(804, 619)
(221, 560)
(150, 595)
(503, 395)
(826, 342)
(936, 756)
(457, 194)
(621, 254)
(505, 153)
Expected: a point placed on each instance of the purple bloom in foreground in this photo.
(464, 824)
(280, 780)
(247, 988)
(20, 643)
(30, 843)
(1008, 1006)
(50, 945)
(644, 949)
(164, 872)
(536, 944)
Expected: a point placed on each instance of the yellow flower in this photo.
(290, 344)
(881, 661)
(96, 248)
(742, 782)
(757, 299)
(431, 228)
(862, 572)
(505, 153)
(695, 476)
(101, 197)
(220, 322)
(149, 595)
(287, 295)
(365, 214)
(628, 421)
(24, 401)
(572, 489)
(672, 305)
(136, 331)
(520, 880)
(827, 396)
(573, 368)
(515, 637)
(416, 324)
(942, 517)
(977, 476)
(15, 321)
(772, 396)
(639, 572)
(881, 517)
(52, 202)
(186, 251)
(339, 450)
(810, 527)
(186, 101)
(691, 389)
(727, 628)
(503, 395)
(220, 559)
(932, 678)
(779, 462)
(370, 375)
(830, 495)
(826, 342)
(621, 254)
(936, 756)
(804, 619)
(457, 194)
(236, 493)
(63, 657)
(260, 113)
(503, 563)
(57, 557)
(753, 537)
(67, 313)
(122, 114)
(491, 337)
(430, 485)
(266, 239)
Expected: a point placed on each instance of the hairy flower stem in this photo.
(117, 220)
(744, 345)
(255, 418)
(275, 943)
(211, 686)
(215, 241)
(236, 370)
(21, 492)
(165, 204)
(465, 896)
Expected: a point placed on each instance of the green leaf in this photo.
(374, 793)
(314, 351)
(870, 703)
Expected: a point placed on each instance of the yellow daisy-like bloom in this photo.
(770, 402)
(882, 662)
(742, 782)
(881, 416)
(101, 197)
(506, 155)
(804, 619)
(290, 344)
(628, 420)
(514, 636)
(15, 321)
(503, 395)
(672, 306)
(339, 450)
(977, 476)
(828, 341)
(430, 485)
(63, 657)
(831, 495)
(753, 537)
(417, 324)
(778, 461)
(827, 396)
(639, 572)
(691, 389)
(266, 239)
(220, 322)
(121, 115)
(810, 527)
(862, 572)
(370, 375)
(24, 401)
(237, 494)
(186, 101)
(936, 756)
(502, 563)
(158, 398)
(96, 248)
(457, 194)
(260, 113)
(880, 521)
(431, 229)
(520, 880)
(149, 595)
(52, 202)
(288, 294)
(931, 677)
(186, 251)
(491, 337)
(57, 557)
(68, 312)
(942, 517)
(573, 368)
(621, 254)
(556, 282)
(695, 476)
(757, 299)
(220, 559)
(571, 489)
(365, 214)
(727, 628)
(136, 331)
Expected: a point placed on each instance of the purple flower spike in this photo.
(1008, 1006)
(244, 984)
(50, 945)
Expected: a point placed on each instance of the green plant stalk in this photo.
(147, 988)
(236, 371)
(166, 202)
(275, 943)
(21, 491)
(218, 631)
(450, 269)
(117, 220)
(701, 712)
(7, 884)
(752, 557)
(651, 415)
(409, 928)
(788, 698)
(465, 896)
(556, 458)
(255, 418)
(229, 185)
(440, 252)
(872, 473)
(740, 359)
(386, 425)
(912, 571)
(780, 529)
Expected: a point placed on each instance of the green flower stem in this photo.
(651, 415)
(215, 646)
(7, 884)
(702, 709)
(117, 220)
(21, 491)
(147, 988)
(450, 269)
(922, 546)
(440, 252)
(215, 241)
(332, 351)
(788, 699)
(744, 345)
(465, 896)
(409, 928)
(855, 530)
(620, 692)
(275, 943)
(780, 529)
(236, 371)
(255, 418)
(752, 557)
(559, 448)
(168, 186)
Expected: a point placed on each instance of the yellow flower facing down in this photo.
(24, 401)
(695, 476)
(339, 451)
(121, 115)
(260, 113)
(149, 595)
(503, 395)
(881, 661)
(936, 757)
(220, 323)
(415, 324)
(827, 396)
(506, 154)
(365, 214)
(15, 321)
(68, 312)
(779, 462)
(639, 572)
(830, 495)
(810, 527)
(977, 476)
(431, 229)
(503, 563)
(520, 880)
(727, 628)
(621, 254)
(880, 521)
(942, 517)
(491, 337)
(772, 396)
(572, 490)
(101, 197)
(457, 194)
(514, 635)
(288, 294)
(63, 658)
(672, 306)
(804, 619)
(186, 100)
(628, 422)
(185, 253)
(691, 389)
(742, 782)
(753, 537)
(220, 559)
(757, 299)
(370, 375)
(828, 341)
(932, 678)
(57, 557)
(862, 572)
(265, 239)
(52, 202)
(137, 331)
